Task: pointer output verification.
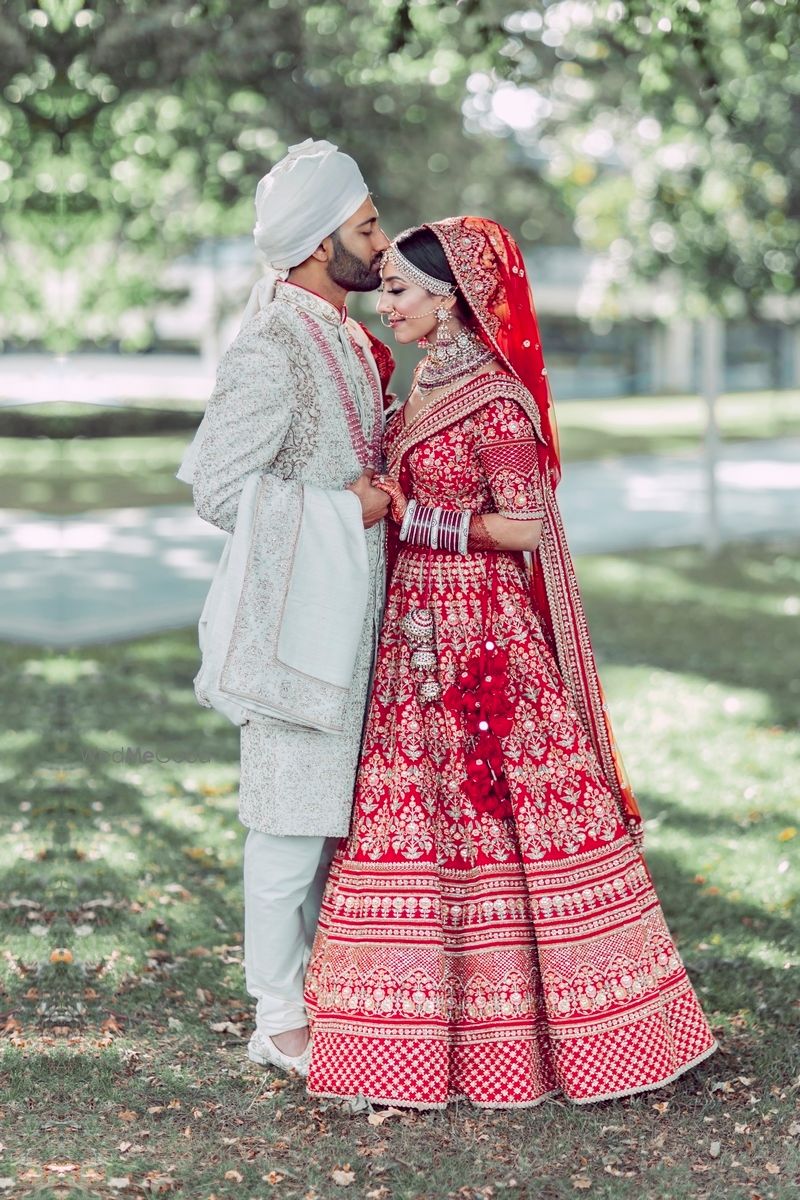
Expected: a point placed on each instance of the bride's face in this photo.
(410, 309)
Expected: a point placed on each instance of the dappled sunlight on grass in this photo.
(729, 622)
(128, 870)
(665, 424)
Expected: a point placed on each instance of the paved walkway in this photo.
(105, 576)
(117, 380)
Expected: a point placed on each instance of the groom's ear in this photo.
(324, 251)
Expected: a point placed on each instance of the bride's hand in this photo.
(399, 504)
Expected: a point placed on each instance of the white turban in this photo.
(308, 194)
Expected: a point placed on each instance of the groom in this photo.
(299, 394)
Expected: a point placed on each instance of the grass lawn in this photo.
(593, 429)
(77, 475)
(74, 474)
(125, 1018)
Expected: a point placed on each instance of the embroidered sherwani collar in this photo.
(301, 298)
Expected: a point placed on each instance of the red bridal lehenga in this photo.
(489, 930)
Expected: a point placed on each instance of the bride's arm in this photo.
(491, 531)
(508, 456)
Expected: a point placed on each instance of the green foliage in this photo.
(671, 131)
(146, 127)
(130, 130)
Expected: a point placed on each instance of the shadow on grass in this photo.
(708, 823)
(100, 831)
(676, 620)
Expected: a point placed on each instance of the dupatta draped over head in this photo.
(490, 272)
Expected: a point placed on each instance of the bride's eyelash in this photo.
(393, 291)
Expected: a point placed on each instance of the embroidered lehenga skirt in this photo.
(495, 956)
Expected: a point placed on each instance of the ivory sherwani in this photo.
(298, 395)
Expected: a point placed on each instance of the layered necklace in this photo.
(451, 358)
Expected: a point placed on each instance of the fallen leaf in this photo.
(581, 1182)
(715, 1149)
(227, 1027)
(124, 1147)
(158, 1184)
(119, 1182)
(787, 834)
(126, 1114)
(61, 955)
(273, 1178)
(379, 1117)
(343, 1176)
(234, 1176)
(110, 1025)
(794, 1129)
(177, 889)
(200, 855)
(773, 1168)
(661, 1106)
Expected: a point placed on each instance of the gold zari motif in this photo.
(460, 954)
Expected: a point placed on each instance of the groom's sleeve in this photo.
(247, 420)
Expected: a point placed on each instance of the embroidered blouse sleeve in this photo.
(507, 451)
(247, 419)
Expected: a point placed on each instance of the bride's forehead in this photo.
(391, 273)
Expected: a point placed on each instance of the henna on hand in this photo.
(391, 487)
(480, 537)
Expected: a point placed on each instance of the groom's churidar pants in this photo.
(284, 879)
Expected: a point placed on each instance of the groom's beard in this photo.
(350, 272)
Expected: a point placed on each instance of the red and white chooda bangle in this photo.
(439, 528)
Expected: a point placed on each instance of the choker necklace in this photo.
(450, 358)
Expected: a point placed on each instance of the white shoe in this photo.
(262, 1050)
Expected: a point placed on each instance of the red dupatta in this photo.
(489, 269)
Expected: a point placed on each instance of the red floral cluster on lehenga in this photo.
(461, 953)
(481, 695)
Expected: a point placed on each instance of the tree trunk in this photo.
(712, 345)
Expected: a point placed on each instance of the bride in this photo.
(489, 929)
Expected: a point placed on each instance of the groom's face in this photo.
(358, 246)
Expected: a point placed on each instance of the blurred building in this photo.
(627, 357)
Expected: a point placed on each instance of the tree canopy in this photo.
(131, 130)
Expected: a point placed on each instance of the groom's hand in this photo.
(374, 502)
